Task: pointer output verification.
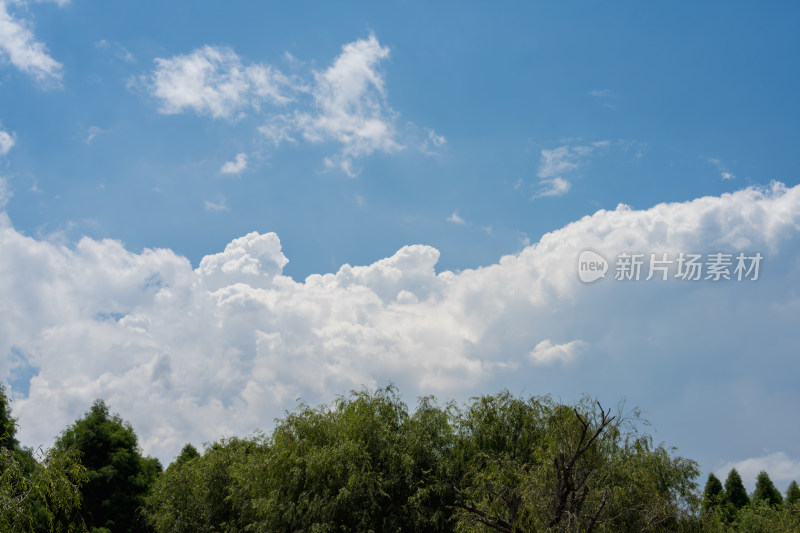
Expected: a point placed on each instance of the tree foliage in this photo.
(735, 493)
(195, 493)
(536, 465)
(793, 494)
(35, 486)
(766, 490)
(713, 494)
(118, 475)
(362, 464)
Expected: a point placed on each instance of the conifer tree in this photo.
(765, 490)
(119, 477)
(735, 492)
(793, 494)
(713, 494)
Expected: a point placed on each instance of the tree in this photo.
(362, 464)
(759, 517)
(765, 490)
(536, 465)
(195, 494)
(118, 475)
(34, 486)
(792, 494)
(714, 494)
(735, 493)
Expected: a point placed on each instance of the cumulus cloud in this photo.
(19, 46)
(547, 353)
(350, 104)
(345, 104)
(191, 354)
(214, 81)
(236, 166)
(6, 142)
(781, 468)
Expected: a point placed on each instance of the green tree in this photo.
(118, 475)
(363, 464)
(195, 494)
(735, 493)
(793, 494)
(714, 494)
(34, 486)
(765, 490)
(188, 452)
(760, 517)
(536, 465)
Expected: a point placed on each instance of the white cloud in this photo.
(600, 93)
(781, 468)
(214, 81)
(724, 173)
(553, 187)
(18, 45)
(345, 104)
(93, 132)
(278, 129)
(219, 205)
(5, 194)
(232, 343)
(456, 219)
(547, 353)
(350, 104)
(236, 166)
(434, 139)
(120, 51)
(556, 162)
(6, 142)
(566, 158)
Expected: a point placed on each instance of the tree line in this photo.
(367, 463)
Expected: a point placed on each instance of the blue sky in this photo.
(138, 138)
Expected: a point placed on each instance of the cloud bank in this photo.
(191, 354)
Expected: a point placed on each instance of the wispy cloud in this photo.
(456, 219)
(93, 132)
(5, 193)
(236, 166)
(6, 142)
(432, 141)
(119, 51)
(724, 173)
(557, 162)
(557, 186)
(605, 96)
(219, 205)
(19, 45)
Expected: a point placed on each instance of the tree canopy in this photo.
(35, 486)
(118, 476)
